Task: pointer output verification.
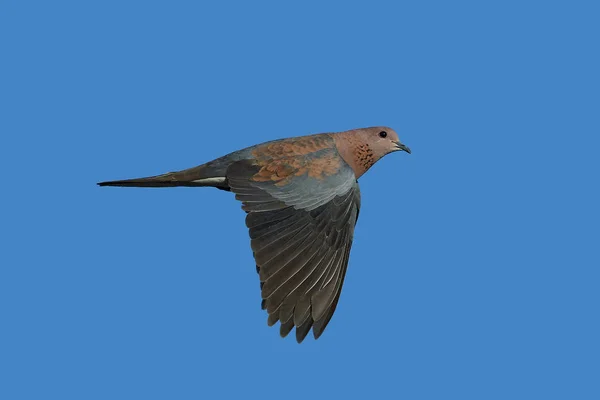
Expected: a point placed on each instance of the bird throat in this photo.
(358, 154)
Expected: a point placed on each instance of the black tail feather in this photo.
(193, 177)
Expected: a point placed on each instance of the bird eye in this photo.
(382, 134)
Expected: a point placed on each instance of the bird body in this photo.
(302, 201)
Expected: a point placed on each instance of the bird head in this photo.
(361, 148)
(381, 140)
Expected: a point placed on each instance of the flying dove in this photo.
(302, 201)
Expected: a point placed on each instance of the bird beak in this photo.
(401, 146)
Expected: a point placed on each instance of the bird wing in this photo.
(301, 215)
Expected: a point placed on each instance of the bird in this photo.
(302, 200)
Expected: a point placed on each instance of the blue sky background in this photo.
(475, 269)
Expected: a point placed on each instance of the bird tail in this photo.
(192, 177)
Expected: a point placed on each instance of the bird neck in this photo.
(357, 154)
